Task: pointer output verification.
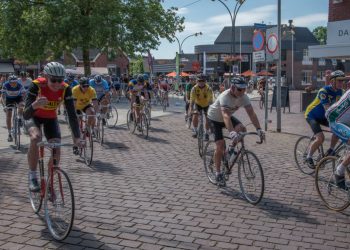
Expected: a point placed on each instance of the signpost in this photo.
(259, 56)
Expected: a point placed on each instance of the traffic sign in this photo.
(258, 40)
(259, 56)
(272, 43)
(260, 26)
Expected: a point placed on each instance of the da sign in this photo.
(338, 32)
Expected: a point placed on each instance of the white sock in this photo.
(32, 174)
(340, 170)
(9, 130)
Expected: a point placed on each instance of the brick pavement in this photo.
(153, 194)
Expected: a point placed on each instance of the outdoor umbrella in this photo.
(173, 74)
(248, 73)
(264, 73)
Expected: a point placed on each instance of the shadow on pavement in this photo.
(115, 145)
(161, 130)
(22, 150)
(278, 210)
(156, 139)
(105, 167)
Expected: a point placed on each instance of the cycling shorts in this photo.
(83, 110)
(13, 101)
(117, 86)
(340, 130)
(165, 87)
(50, 125)
(315, 124)
(198, 108)
(216, 127)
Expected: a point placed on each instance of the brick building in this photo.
(338, 35)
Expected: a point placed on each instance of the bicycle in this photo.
(86, 152)
(188, 121)
(200, 134)
(16, 128)
(163, 101)
(334, 197)
(132, 123)
(249, 168)
(301, 150)
(111, 115)
(148, 110)
(56, 192)
(100, 132)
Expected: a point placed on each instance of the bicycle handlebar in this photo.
(243, 134)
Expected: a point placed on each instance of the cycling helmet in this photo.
(337, 74)
(145, 76)
(200, 77)
(70, 77)
(12, 78)
(239, 82)
(140, 78)
(84, 81)
(55, 69)
(23, 74)
(98, 78)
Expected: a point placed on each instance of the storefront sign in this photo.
(338, 32)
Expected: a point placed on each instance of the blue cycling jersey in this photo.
(12, 92)
(72, 84)
(100, 88)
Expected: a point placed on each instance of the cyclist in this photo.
(164, 89)
(117, 86)
(24, 80)
(220, 115)
(138, 96)
(102, 92)
(12, 94)
(315, 113)
(338, 116)
(188, 89)
(85, 101)
(72, 83)
(201, 98)
(41, 103)
(261, 86)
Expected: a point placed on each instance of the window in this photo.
(306, 77)
(306, 53)
(306, 59)
(320, 76)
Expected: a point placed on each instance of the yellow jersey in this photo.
(83, 99)
(202, 96)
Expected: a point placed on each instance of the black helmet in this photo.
(239, 82)
(84, 81)
(201, 77)
(337, 74)
(23, 73)
(140, 78)
(12, 78)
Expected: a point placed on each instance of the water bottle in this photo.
(231, 154)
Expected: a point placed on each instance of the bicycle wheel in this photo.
(36, 199)
(301, 149)
(144, 125)
(18, 136)
(334, 198)
(209, 161)
(102, 131)
(164, 104)
(200, 140)
(88, 150)
(251, 177)
(112, 117)
(59, 204)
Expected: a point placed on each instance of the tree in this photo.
(34, 30)
(136, 66)
(320, 33)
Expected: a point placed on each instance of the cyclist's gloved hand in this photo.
(261, 134)
(234, 136)
(79, 143)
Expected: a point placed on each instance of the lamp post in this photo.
(290, 29)
(233, 16)
(178, 61)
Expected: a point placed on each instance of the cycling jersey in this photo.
(189, 87)
(71, 84)
(26, 83)
(325, 95)
(338, 116)
(202, 96)
(100, 88)
(136, 89)
(83, 98)
(12, 92)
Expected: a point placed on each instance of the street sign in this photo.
(272, 51)
(272, 43)
(259, 56)
(258, 40)
(235, 69)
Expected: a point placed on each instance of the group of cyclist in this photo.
(331, 108)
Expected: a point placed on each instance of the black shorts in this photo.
(50, 125)
(199, 109)
(117, 86)
(315, 124)
(138, 100)
(100, 98)
(13, 101)
(216, 127)
(79, 112)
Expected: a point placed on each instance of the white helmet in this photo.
(55, 69)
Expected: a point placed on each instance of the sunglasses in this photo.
(85, 86)
(240, 90)
(56, 80)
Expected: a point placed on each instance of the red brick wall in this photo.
(121, 62)
(339, 11)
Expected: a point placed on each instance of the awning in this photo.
(6, 68)
(336, 51)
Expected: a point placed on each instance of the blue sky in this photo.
(210, 17)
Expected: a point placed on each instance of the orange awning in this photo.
(264, 73)
(248, 73)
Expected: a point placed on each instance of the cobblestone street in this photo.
(153, 194)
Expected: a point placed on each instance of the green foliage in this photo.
(320, 33)
(33, 30)
(136, 66)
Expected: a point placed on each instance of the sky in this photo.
(210, 17)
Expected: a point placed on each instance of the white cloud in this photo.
(182, 11)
